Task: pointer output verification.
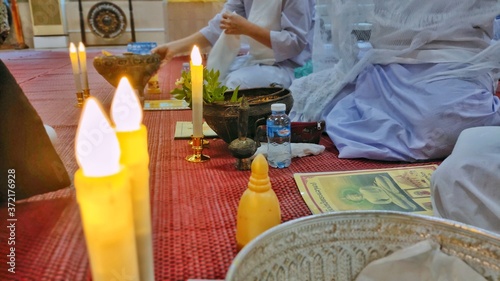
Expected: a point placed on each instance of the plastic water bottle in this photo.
(185, 67)
(496, 28)
(279, 150)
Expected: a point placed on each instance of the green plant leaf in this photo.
(234, 97)
(213, 90)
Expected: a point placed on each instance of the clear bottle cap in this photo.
(278, 107)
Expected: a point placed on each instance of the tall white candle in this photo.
(82, 55)
(75, 65)
(197, 92)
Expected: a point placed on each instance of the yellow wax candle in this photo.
(82, 55)
(75, 66)
(104, 197)
(259, 208)
(126, 113)
(197, 92)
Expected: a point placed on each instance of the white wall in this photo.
(154, 20)
(148, 22)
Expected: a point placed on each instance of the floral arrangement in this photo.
(213, 90)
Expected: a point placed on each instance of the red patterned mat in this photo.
(193, 204)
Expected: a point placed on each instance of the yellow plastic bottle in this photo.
(259, 208)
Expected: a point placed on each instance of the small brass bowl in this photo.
(137, 68)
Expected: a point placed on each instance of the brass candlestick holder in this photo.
(153, 85)
(81, 97)
(86, 94)
(205, 142)
(243, 148)
(197, 146)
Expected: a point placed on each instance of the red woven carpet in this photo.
(193, 204)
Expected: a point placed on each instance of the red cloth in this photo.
(193, 204)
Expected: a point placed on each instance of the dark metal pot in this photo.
(222, 117)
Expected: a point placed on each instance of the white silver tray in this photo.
(337, 246)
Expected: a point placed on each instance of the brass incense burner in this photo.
(137, 68)
(243, 148)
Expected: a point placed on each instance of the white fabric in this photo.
(410, 31)
(384, 116)
(291, 44)
(51, 133)
(298, 149)
(423, 261)
(223, 53)
(265, 13)
(255, 76)
(466, 186)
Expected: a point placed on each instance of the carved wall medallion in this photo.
(107, 20)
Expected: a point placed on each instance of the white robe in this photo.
(466, 186)
(430, 74)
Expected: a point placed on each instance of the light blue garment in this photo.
(389, 114)
(256, 76)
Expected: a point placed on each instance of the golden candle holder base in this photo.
(153, 86)
(86, 94)
(205, 142)
(197, 146)
(79, 99)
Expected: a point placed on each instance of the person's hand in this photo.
(233, 23)
(166, 51)
(181, 46)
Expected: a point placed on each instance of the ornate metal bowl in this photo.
(337, 246)
(222, 117)
(137, 68)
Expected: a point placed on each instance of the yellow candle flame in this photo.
(74, 58)
(96, 145)
(196, 56)
(126, 110)
(81, 50)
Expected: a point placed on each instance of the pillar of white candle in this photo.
(75, 65)
(197, 92)
(82, 55)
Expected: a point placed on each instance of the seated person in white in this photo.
(466, 186)
(279, 33)
(430, 73)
